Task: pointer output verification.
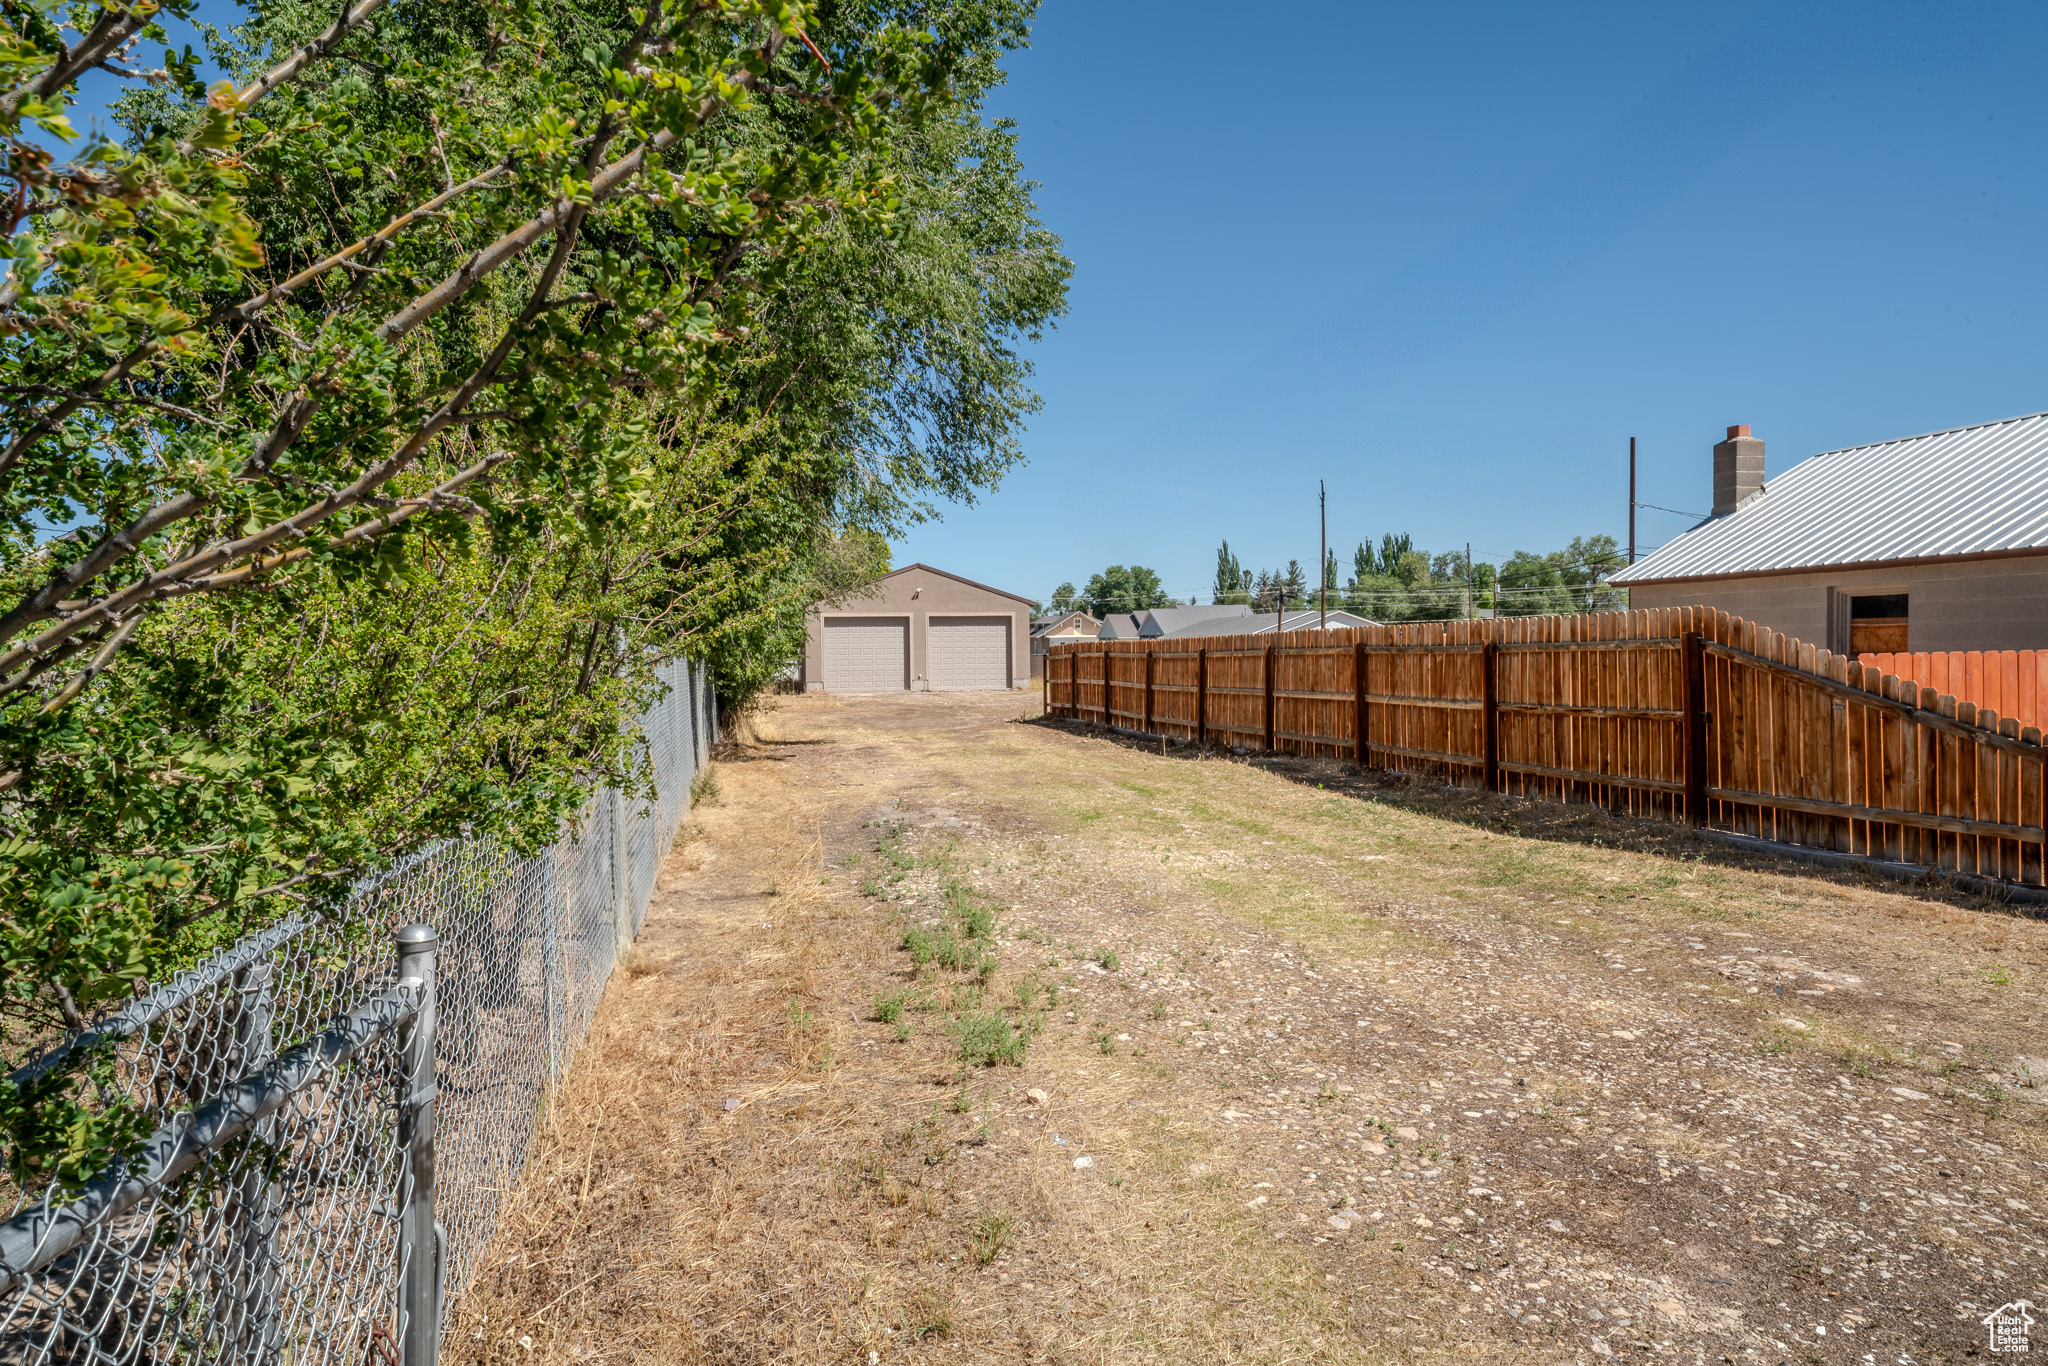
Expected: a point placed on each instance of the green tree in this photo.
(1063, 598)
(1533, 585)
(400, 402)
(1230, 585)
(1265, 591)
(1294, 586)
(1125, 589)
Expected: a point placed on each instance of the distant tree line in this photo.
(1391, 582)
(1397, 582)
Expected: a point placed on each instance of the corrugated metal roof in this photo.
(1969, 491)
(1262, 624)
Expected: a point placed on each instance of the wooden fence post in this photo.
(1269, 699)
(1358, 712)
(1692, 652)
(1489, 713)
(1202, 698)
(1148, 692)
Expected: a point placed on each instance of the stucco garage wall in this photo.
(1993, 604)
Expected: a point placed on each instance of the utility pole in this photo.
(1468, 581)
(1323, 557)
(1631, 500)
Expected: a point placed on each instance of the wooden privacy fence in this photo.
(1681, 714)
(2011, 682)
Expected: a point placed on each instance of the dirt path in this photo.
(1313, 1068)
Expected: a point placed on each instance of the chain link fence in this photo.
(313, 1090)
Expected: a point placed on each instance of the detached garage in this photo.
(923, 630)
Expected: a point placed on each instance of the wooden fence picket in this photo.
(1684, 714)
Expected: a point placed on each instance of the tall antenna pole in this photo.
(1631, 500)
(1323, 557)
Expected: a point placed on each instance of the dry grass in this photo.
(866, 1194)
(1190, 946)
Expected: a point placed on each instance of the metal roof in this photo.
(1262, 624)
(1970, 491)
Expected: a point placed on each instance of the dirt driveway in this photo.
(956, 1035)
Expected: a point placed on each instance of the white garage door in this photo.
(867, 655)
(970, 652)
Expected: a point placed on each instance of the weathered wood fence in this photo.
(1681, 714)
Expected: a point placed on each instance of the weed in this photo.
(1206, 1024)
(799, 1018)
(1997, 975)
(1857, 1061)
(704, 787)
(1102, 1040)
(1773, 1044)
(1026, 989)
(985, 1037)
(989, 1232)
(1116, 1180)
(918, 943)
(1107, 958)
(976, 918)
(938, 944)
(930, 1314)
(903, 1031)
(890, 847)
(889, 1009)
(1158, 1011)
(870, 888)
(967, 996)
(985, 969)
(963, 1102)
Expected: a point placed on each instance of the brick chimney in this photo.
(1738, 469)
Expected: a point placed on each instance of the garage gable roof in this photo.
(957, 578)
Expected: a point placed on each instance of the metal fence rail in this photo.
(284, 1210)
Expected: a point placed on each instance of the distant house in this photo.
(1155, 622)
(1936, 542)
(919, 629)
(1245, 624)
(1056, 629)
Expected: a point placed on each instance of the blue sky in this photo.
(1449, 258)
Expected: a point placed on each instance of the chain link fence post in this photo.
(419, 1250)
(554, 977)
(621, 877)
(253, 1303)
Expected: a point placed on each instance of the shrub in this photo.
(986, 1038)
